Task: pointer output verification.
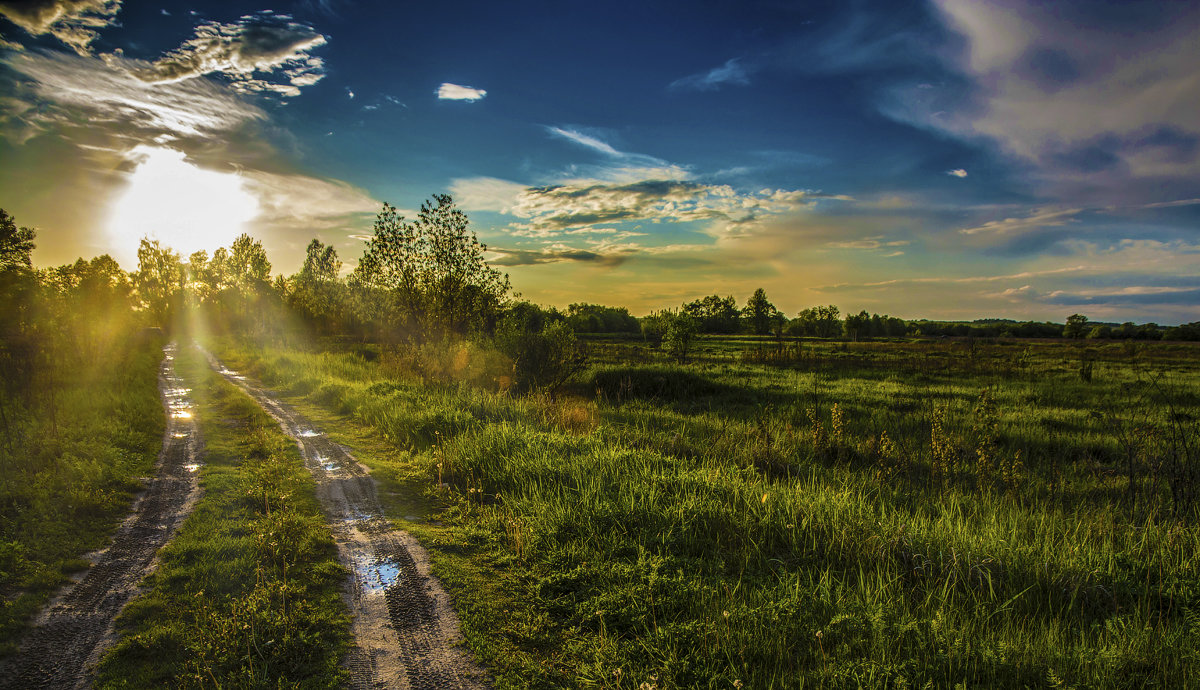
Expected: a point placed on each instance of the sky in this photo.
(947, 159)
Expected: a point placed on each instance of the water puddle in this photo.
(192, 467)
(377, 574)
(178, 435)
(308, 433)
(327, 464)
(181, 414)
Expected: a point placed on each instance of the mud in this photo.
(63, 647)
(406, 633)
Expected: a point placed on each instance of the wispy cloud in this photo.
(454, 92)
(258, 44)
(734, 72)
(107, 93)
(560, 253)
(957, 172)
(1174, 204)
(1040, 218)
(585, 140)
(74, 22)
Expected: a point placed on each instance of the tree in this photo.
(159, 280)
(716, 314)
(16, 244)
(317, 292)
(758, 312)
(681, 330)
(1076, 326)
(819, 322)
(434, 270)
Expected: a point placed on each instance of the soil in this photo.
(406, 633)
(64, 645)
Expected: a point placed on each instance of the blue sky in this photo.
(929, 159)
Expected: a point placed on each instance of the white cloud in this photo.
(1040, 218)
(957, 172)
(486, 194)
(300, 202)
(107, 92)
(74, 22)
(585, 140)
(256, 44)
(1053, 89)
(732, 72)
(454, 92)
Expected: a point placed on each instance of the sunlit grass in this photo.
(678, 527)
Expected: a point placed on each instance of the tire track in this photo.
(405, 630)
(69, 636)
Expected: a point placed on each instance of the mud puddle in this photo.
(63, 647)
(405, 629)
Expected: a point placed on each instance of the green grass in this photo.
(70, 465)
(719, 523)
(248, 593)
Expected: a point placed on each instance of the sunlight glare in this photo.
(182, 206)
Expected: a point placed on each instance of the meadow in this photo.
(777, 514)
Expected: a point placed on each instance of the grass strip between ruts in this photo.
(248, 594)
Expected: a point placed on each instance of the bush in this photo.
(542, 359)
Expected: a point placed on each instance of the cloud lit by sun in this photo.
(183, 206)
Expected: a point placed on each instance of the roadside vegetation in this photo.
(81, 421)
(248, 593)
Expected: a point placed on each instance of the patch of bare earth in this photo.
(63, 647)
(405, 630)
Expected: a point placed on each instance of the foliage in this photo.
(715, 314)
(1077, 326)
(817, 322)
(595, 318)
(677, 340)
(759, 313)
(545, 354)
(434, 271)
(159, 281)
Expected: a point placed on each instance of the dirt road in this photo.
(405, 629)
(63, 647)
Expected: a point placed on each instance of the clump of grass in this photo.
(248, 592)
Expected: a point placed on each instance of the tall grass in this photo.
(736, 523)
(70, 462)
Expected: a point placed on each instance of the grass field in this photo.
(248, 594)
(70, 463)
(883, 514)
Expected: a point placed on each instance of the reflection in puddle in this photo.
(377, 574)
(326, 464)
(181, 414)
(178, 435)
(191, 468)
(308, 433)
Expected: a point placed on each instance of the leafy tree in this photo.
(716, 314)
(159, 281)
(1076, 326)
(434, 271)
(681, 331)
(596, 318)
(818, 322)
(16, 244)
(758, 312)
(317, 292)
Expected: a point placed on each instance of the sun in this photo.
(182, 206)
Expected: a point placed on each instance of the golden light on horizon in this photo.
(184, 207)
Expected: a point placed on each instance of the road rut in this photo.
(63, 647)
(405, 629)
